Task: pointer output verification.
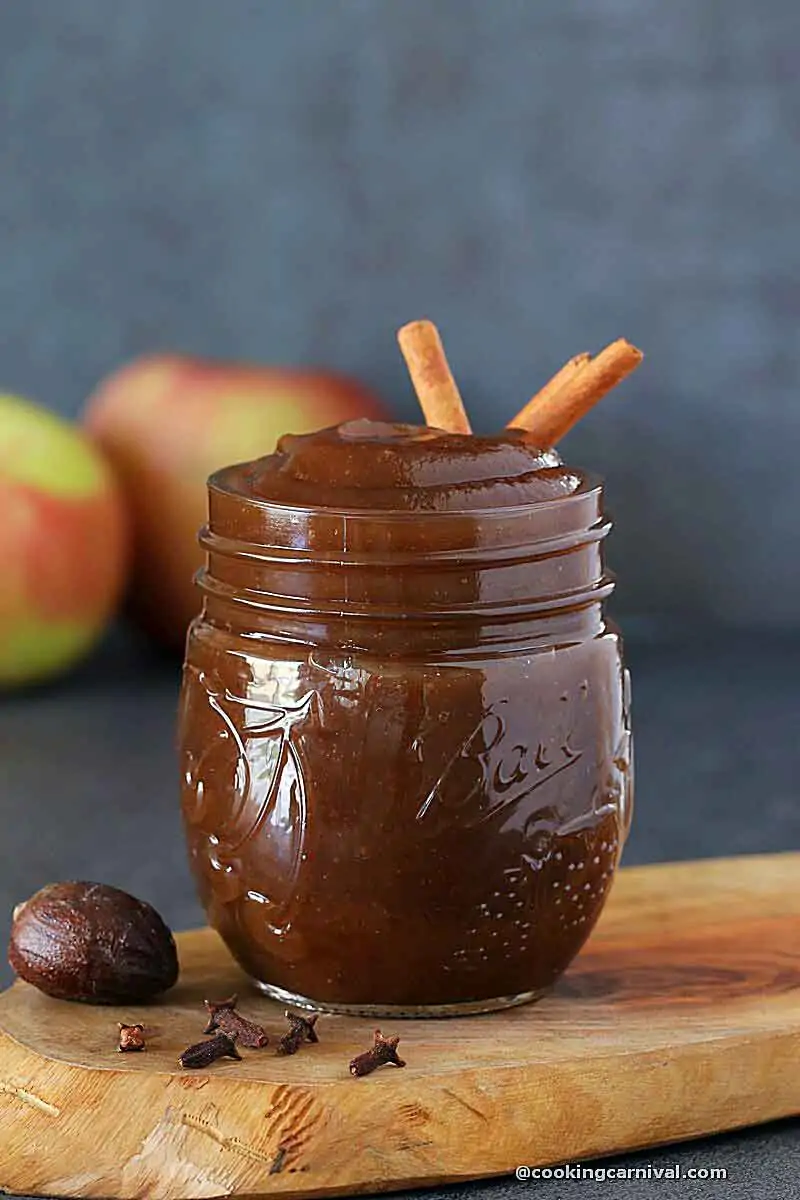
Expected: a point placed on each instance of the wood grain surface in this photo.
(680, 1018)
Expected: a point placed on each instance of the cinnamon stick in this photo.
(568, 372)
(432, 378)
(559, 409)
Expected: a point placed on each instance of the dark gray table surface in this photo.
(89, 790)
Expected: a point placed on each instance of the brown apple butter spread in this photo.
(404, 732)
(405, 468)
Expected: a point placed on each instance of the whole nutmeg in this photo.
(91, 942)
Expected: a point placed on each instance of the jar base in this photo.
(466, 1008)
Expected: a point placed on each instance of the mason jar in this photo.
(405, 747)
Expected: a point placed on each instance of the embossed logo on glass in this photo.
(490, 774)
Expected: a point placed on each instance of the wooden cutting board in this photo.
(680, 1018)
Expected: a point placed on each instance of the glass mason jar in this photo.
(405, 748)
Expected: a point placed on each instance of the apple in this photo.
(62, 543)
(166, 422)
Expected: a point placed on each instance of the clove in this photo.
(301, 1029)
(383, 1051)
(222, 1015)
(131, 1037)
(204, 1053)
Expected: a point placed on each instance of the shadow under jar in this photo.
(404, 733)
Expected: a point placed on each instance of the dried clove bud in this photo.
(204, 1053)
(222, 1015)
(301, 1029)
(91, 942)
(131, 1037)
(383, 1051)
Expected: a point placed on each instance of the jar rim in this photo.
(591, 484)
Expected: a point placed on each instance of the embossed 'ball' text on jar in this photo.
(405, 746)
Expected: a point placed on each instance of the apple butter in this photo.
(404, 732)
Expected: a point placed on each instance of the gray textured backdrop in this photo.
(291, 181)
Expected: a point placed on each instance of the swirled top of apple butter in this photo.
(373, 465)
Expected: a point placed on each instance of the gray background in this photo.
(291, 181)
